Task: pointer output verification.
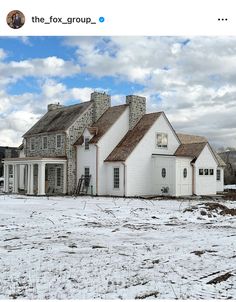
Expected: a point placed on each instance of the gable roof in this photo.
(103, 124)
(190, 139)
(133, 137)
(193, 140)
(190, 150)
(58, 119)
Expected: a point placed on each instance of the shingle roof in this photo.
(193, 140)
(133, 137)
(190, 150)
(103, 124)
(58, 119)
(190, 139)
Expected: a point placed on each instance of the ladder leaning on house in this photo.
(83, 185)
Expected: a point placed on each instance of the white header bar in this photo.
(121, 17)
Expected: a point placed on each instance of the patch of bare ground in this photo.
(212, 207)
(220, 278)
(147, 295)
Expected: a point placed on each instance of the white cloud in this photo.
(193, 80)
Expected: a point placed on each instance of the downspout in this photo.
(97, 149)
(124, 179)
(193, 179)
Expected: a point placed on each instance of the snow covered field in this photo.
(64, 248)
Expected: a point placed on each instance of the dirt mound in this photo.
(219, 208)
(212, 208)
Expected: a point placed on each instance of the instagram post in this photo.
(117, 151)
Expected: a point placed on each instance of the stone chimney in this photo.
(54, 106)
(137, 108)
(102, 102)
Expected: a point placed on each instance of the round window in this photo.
(185, 172)
(163, 172)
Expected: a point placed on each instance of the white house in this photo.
(97, 149)
(130, 153)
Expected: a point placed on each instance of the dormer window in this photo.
(86, 143)
(162, 140)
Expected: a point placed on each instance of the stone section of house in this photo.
(102, 102)
(73, 133)
(51, 151)
(69, 122)
(137, 107)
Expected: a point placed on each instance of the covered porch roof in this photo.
(35, 160)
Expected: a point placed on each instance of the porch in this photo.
(35, 176)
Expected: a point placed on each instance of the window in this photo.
(218, 174)
(116, 178)
(163, 172)
(45, 142)
(58, 176)
(162, 140)
(86, 143)
(200, 171)
(185, 172)
(211, 171)
(58, 141)
(206, 172)
(86, 176)
(32, 144)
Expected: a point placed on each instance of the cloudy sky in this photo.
(192, 79)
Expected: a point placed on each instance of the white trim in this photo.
(161, 147)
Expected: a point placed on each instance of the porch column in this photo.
(64, 178)
(15, 179)
(6, 177)
(41, 179)
(30, 189)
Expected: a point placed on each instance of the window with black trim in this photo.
(86, 176)
(211, 171)
(86, 143)
(206, 172)
(163, 172)
(162, 140)
(116, 178)
(185, 172)
(200, 171)
(218, 174)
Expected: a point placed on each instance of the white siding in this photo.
(205, 184)
(109, 179)
(106, 144)
(140, 164)
(87, 158)
(220, 183)
(184, 184)
(159, 182)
